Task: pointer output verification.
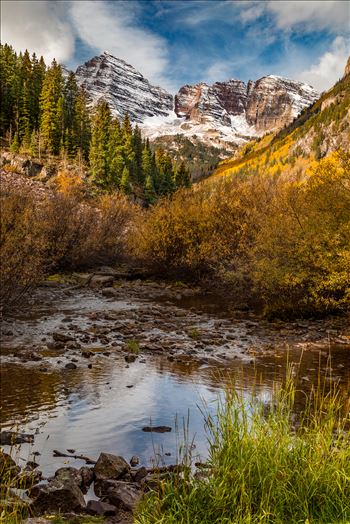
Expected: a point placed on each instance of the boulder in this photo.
(58, 495)
(97, 507)
(70, 365)
(8, 467)
(110, 466)
(140, 473)
(87, 477)
(124, 495)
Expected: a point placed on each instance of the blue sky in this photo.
(177, 42)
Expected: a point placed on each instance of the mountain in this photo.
(124, 88)
(267, 104)
(319, 130)
(223, 114)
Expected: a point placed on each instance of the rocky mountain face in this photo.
(267, 104)
(347, 67)
(124, 88)
(220, 114)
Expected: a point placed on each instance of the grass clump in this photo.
(265, 467)
(132, 346)
(194, 333)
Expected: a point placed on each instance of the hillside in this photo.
(320, 129)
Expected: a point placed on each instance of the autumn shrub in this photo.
(301, 258)
(281, 241)
(57, 232)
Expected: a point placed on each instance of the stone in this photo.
(110, 466)
(62, 496)
(101, 281)
(134, 461)
(140, 473)
(68, 473)
(10, 438)
(87, 477)
(156, 429)
(96, 507)
(125, 495)
(130, 358)
(70, 365)
(58, 336)
(8, 467)
(109, 292)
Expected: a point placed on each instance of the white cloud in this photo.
(218, 71)
(113, 27)
(330, 66)
(311, 14)
(38, 26)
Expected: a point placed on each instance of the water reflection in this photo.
(93, 410)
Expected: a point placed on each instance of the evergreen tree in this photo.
(125, 181)
(138, 149)
(38, 75)
(182, 176)
(116, 158)
(8, 65)
(24, 100)
(70, 95)
(150, 194)
(51, 108)
(99, 147)
(82, 124)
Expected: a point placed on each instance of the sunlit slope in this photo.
(320, 129)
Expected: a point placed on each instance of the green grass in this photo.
(265, 467)
(132, 346)
(194, 333)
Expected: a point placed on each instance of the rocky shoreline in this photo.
(72, 321)
(116, 486)
(79, 321)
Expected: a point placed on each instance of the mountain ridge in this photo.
(224, 113)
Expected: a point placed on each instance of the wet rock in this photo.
(125, 495)
(101, 281)
(8, 467)
(70, 365)
(31, 465)
(87, 477)
(9, 438)
(134, 461)
(109, 292)
(72, 344)
(130, 358)
(68, 474)
(110, 466)
(58, 336)
(140, 474)
(103, 509)
(57, 496)
(156, 429)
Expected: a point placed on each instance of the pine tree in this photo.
(150, 194)
(51, 109)
(70, 94)
(182, 176)
(38, 75)
(138, 148)
(99, 147)
(14, 147)
(82, 124)
(125, 181)
(24, 99)
(8, 66)
(116, 159)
